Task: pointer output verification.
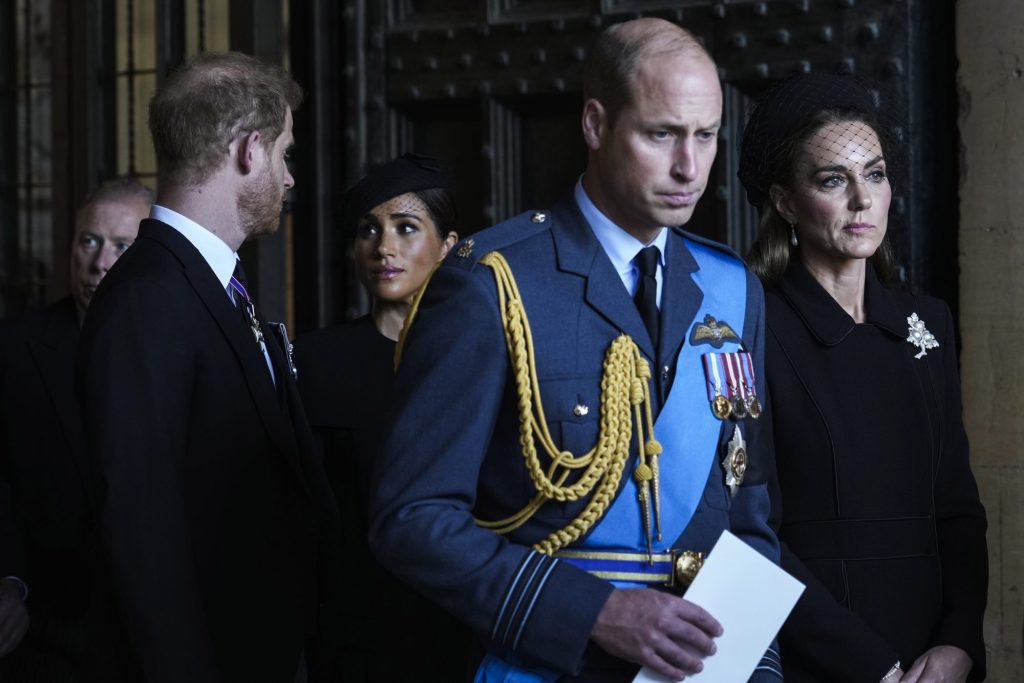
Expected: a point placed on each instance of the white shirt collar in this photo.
(620, 246)
(213, 249)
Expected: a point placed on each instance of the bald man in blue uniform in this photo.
(591, 323)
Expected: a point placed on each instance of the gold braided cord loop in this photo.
(624, 392)
(414, 307)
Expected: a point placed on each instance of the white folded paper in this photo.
(750, 597)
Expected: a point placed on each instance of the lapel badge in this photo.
(920, 336)
(465, 249)
(254, 323)
(580, 410)
(539, 217)
(289, 349)
(735, 462)
(713, 332)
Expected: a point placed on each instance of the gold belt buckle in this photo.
(685, 565)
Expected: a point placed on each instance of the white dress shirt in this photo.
(621, 247)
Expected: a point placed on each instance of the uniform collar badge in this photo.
(920, 336)
(465, 250)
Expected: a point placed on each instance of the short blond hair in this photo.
(212, 99)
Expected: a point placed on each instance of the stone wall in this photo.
(990, 46)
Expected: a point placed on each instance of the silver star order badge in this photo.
(735, 461)
(920, 336)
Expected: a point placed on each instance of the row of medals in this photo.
(737, 407)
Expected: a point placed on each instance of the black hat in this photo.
(784, 110)
(409, 172)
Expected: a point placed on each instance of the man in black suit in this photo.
(217, 521)
(46, 525)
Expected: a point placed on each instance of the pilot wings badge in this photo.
(713, 332)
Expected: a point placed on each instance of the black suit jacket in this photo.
(217, 518)
(42, 456)
(47, 523)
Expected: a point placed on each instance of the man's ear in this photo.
(595, 123)
(783, 204)
(248, 148)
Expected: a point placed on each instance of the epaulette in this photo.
(468, 252)
(725, 248)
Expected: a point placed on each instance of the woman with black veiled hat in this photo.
(876, 506)
(401, 217)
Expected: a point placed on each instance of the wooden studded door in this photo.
(493, 86)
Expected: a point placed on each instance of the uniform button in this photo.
(664, 373)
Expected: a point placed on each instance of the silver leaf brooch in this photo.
(920, 336)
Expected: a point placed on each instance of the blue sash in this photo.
(686, 428)
(496, 670)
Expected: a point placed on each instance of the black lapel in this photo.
(578, 251)
(240, 338)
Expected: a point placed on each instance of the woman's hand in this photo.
(942, 664)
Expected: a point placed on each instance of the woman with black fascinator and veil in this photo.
(874, 500)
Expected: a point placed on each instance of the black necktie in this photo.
(646, 297)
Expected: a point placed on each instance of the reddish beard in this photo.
(259, 208)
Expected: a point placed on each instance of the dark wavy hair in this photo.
(441, 205)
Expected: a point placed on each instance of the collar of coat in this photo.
(823, 315)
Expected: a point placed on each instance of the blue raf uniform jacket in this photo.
(454, 454)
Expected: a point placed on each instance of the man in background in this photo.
(216, 519)
(47, 534)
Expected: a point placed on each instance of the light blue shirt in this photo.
(621, 247)
(215, 251)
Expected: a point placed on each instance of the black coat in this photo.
(47, 525)
(877, 508)
(346, 379)
(42, 453)
(216, 516)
